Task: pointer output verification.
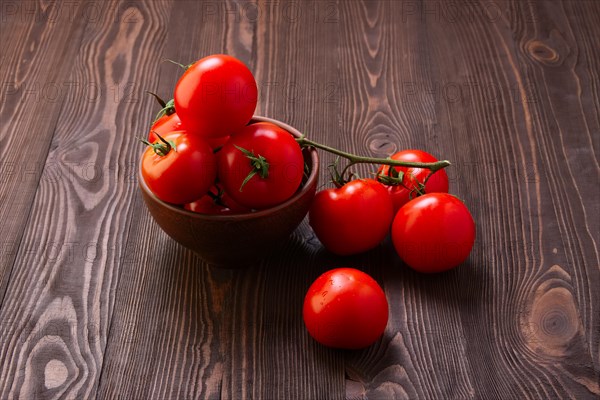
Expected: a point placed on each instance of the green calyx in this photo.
(168, 109)
(161, 148)
(393, 177)
(337, 178)
(217, 198)
(259, 165)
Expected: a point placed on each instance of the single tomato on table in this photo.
(433, 233)
(216, 96)
(412, 178)
(352, 219)
(179, 169)
(345, 308)
(260, 166)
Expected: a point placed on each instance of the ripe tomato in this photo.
(181, 173)
(345, 308)
(216, 202)
(170, 123)
(352, 219)
(216, 96)
(414, 177)
(277, 165)
(217, 142)
(164, 125)
(433, 233)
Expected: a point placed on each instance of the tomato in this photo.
(216, 96)
(433, 233)
(414, 177)
(183, 172)
(170, 123)
(217, 142)
(216, 202)
(164, 125)
(274, 158)
(352, 219)
(345, 308)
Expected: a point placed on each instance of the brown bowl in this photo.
(235, 241)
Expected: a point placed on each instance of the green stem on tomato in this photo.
(356, 159)
(185, 67)
(168, 109)
(161, 149)
(259, 165)
(217, 198)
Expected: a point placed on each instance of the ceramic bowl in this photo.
(236, 241)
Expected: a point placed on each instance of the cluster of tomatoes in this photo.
(205, 156)
(432, 231)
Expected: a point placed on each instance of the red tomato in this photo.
(218, 202)
(352, 219)
(169, 123)
(184, 173)
(272, 145)
(433, 233)
(438, 183)
(217, 142)
(216, 96)
(345, 308)
(164, 125)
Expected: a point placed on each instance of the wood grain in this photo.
(97, 302)
(28, 75)
(171, 347)
(59, 301)
(283, 361)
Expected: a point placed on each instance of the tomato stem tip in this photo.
(158, 98)
(185, 67)
(162, 149)
(168, 109)
(356, 159)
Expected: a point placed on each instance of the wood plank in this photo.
(29, 73)
(297, 65)
(396, 106)
(239, 323)
(521, 301)
(559, 67)
(59, 301)
(532, 300)
(581, 146)
(165, 286)
(101, 303)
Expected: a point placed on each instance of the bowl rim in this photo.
(312, 177)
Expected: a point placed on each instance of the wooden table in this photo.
(96, 301)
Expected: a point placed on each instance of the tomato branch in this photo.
(356, 159)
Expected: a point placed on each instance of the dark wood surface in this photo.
(97, 302)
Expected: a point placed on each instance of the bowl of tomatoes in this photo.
(232, 235)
